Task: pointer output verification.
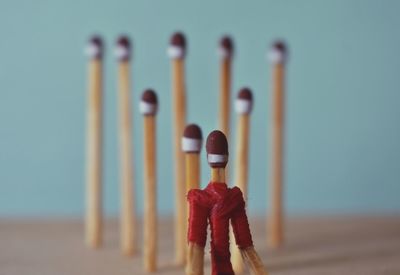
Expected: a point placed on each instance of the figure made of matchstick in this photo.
(218, 205)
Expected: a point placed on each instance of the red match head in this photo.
(149, 103)
(192, 139)
(177, 47)
(217, 149)
(244, 102)
(226, 47)
(123, 48)
(278, 52)
(94, 48)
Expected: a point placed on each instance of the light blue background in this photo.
(343, 98)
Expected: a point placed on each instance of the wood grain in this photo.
(356, 245)
(128, 216)
(276, 215)
(179, 118)
(218, 175)
(195, 260)
(241, 178)
(242, 154)
(150, 240)
(224, 99)
(93, 225)
(192, 174)
(253, 260)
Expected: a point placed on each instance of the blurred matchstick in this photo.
(128, 216)
(243, 107)
(191, 144)
(148, 108)
(277, 56)
(93, 221)
(226, 55)
(177, 52)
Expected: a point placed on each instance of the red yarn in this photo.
(218, 204)
(198, 217)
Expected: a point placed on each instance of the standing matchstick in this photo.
(218, 205)
(148, 108)
(192, 140)
(191, 144)
(226, 54)
(128, 217)
(93, 221)
(277, 56)
(243, 107)
(177, 52)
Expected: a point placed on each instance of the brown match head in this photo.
(217, 149)
(95, 47)
(177, 47)
(244, 101)
(149, 103)
(245, 94)
(193, 131)
(280, 46)
(192, 139)
(226, 47)
(178, 40)
(123, 48)
(278, 52)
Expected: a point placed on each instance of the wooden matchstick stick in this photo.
(277, 56)
(192, 140)
(128, 216)
(177, 52)
(148, 107)
(226, 54)
(191, 145)
(243, 107)
(93, 221)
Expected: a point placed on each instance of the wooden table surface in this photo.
(315, 245)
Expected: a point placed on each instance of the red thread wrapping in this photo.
(198, 216)
(218, 204)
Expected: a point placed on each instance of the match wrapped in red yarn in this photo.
(218, 204)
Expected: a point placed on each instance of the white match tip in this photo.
(215, 158)
(191, 144)
(175, 52)
(276, 56)
(147, 108)
(92, 50)
(121, 52)
(223, 53)
(243, 106)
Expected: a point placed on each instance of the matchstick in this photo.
(177, 52)
(218, 205)
(128, 216)
(93, 221)
(277, 56)
(191, 145)
(226, 55)
(148, 108)
(243, 107)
